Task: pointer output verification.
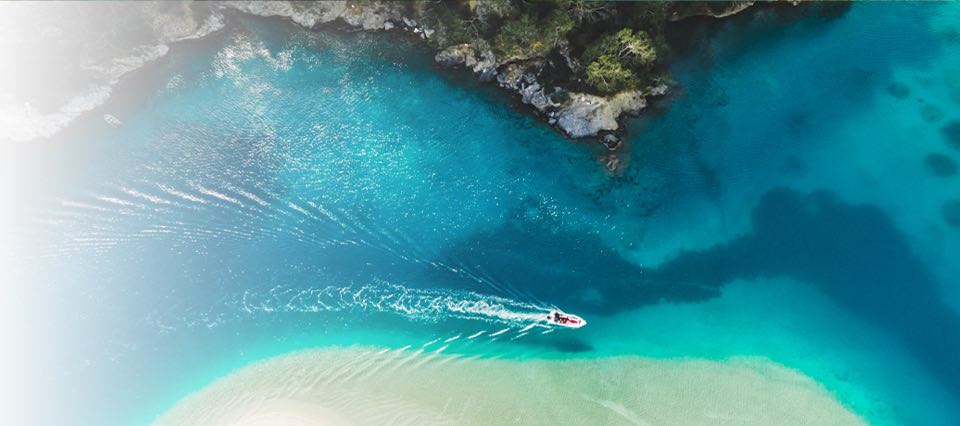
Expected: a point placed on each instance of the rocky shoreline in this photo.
(576, 114)
(562, 103)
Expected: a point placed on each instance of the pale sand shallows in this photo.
(373, 386)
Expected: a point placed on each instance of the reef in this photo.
(951, 133)
(898, 90)
(940, 165)
(951, 212)
(582, 66)
(931, 113)
(813, 238)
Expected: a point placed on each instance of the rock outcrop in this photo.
(550, 80)
(711, 9)
(588, 115)
(481, 62)
(577, 115)
(365, 16)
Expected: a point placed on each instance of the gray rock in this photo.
(460, 54)
(510, 75)
(612, 163)
(611, 141)
(578, 115)
(516, 77)
(482, 63)
(586, 115)
(534, 95)
(317, 13)
(486, 67)
(370, 16)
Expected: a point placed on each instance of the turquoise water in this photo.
(274, 189)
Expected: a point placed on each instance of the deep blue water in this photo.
(274, 189)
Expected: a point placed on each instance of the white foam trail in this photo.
(252, 197)
(301, 210)
(500, 332)
(68, 203)
(527, 328)
(416, 304)
(157, 229)
(118, 201)
(218, 195)
(430, 342)
(151, 198)
(327, 213)
(181, 195)
(477, 334)
(454, 338)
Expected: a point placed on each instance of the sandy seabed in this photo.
(361, 385)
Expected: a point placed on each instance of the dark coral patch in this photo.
(951, 133)
(853, 253)
(898, 90)
(951, 212)
(931, 114)
(940, 165)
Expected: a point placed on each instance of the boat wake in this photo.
(428, 305)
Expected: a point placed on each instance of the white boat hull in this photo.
(562, 319)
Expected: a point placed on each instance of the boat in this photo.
(563, 319)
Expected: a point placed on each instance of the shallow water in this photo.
(273, 189)
(322, 387)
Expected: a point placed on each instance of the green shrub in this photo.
(608, 75)
(525, 36)
(633, 49)
(616, 60)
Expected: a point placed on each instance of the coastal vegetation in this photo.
(605, 47)
(617, 61)
(582, 66)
